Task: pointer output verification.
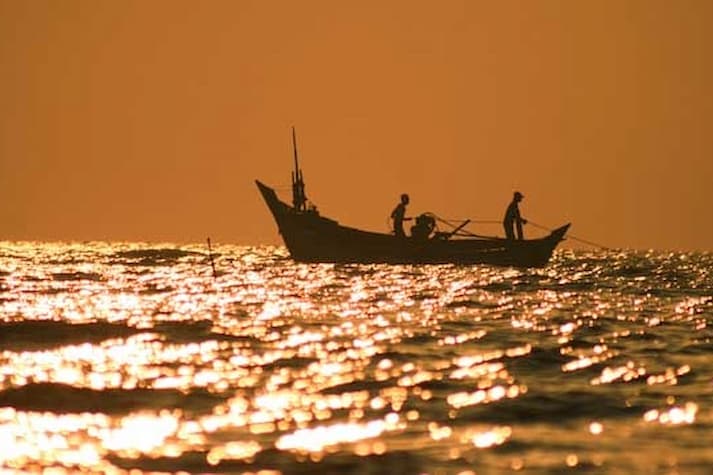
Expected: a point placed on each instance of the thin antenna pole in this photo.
(298, 186)
(294, 148)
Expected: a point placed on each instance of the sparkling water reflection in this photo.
(132, 356)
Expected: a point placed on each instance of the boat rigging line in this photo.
(573, 238)
(459, 225)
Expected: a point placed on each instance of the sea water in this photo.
(121, 356)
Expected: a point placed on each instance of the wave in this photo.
(37, 334)
(34, 335)
(540, 407)
(70, 276)
(154, 257)
(396, 461)
(62, 398)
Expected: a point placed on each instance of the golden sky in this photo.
(149, 120)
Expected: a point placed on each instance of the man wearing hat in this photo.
(512, 216)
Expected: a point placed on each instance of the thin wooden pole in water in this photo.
(210, 255)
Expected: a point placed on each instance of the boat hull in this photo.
(310, 237)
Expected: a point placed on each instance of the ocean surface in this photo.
(122, 356)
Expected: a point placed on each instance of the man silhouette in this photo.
(398, 216)
(512, 217)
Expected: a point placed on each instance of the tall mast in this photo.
(298, 185)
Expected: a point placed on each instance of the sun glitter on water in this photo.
(120, 356)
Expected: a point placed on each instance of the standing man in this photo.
(398, 215)
(512, 217)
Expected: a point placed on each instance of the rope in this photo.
(454, 223)
(451, 221)
(569, 236)
(544, 228)
(486, 222)
(464, 232)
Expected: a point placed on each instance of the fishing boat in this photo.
(311, 237)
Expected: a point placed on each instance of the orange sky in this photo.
(149, 120)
